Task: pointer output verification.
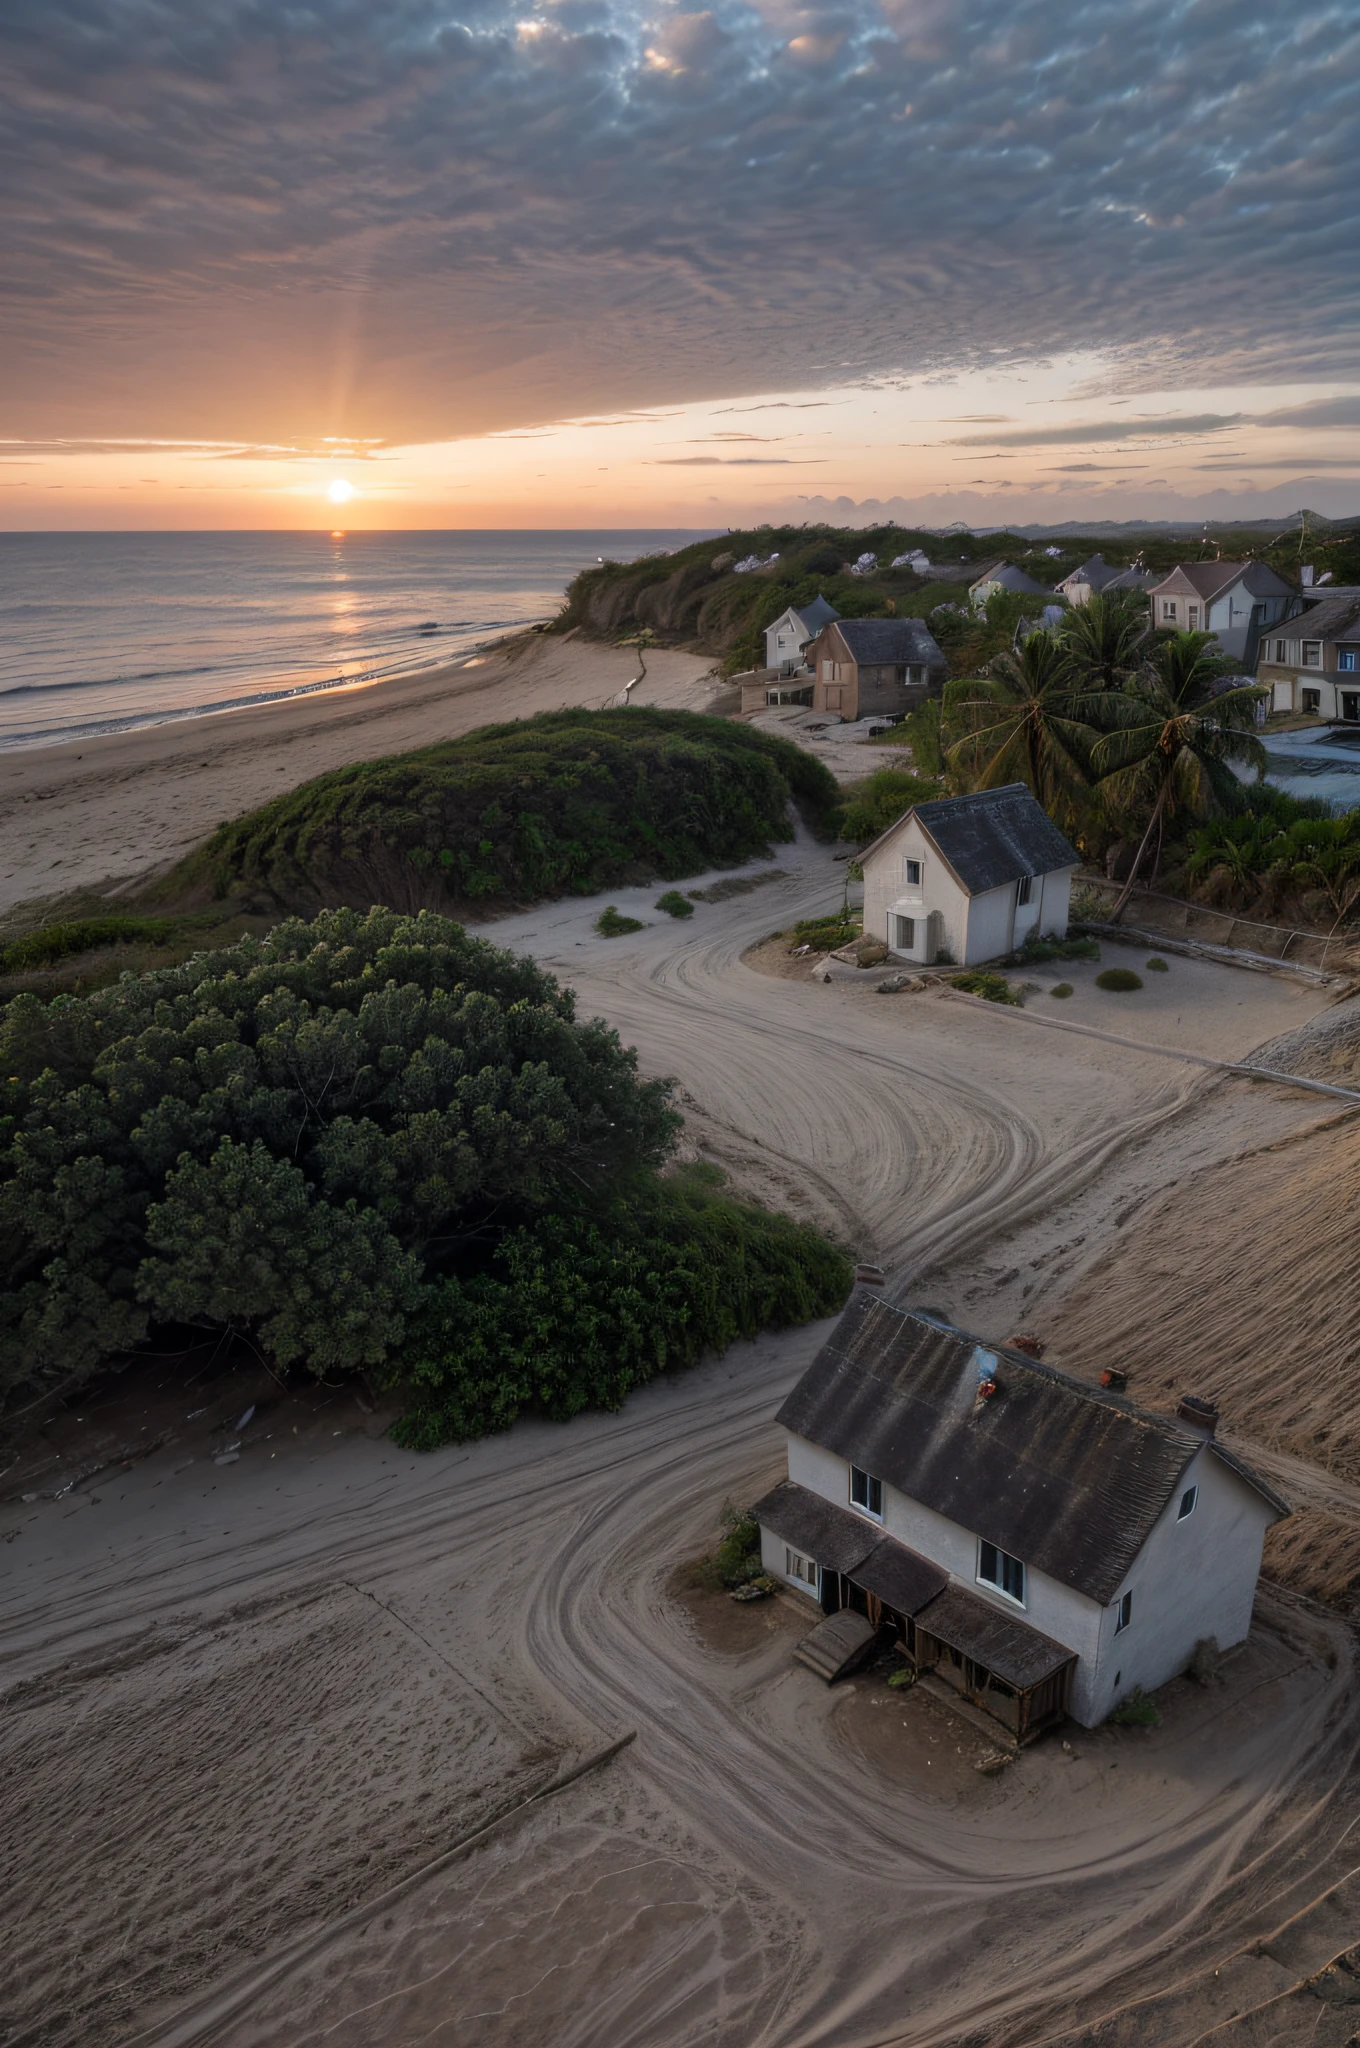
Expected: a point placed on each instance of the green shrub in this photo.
(879, 801)
(738, 1554)
(567, 803)
(993, 988)
(1061, 989)
(612, 924)
(369, 1143)
(83, 935)
(1138, 1710)
(1036, 951)
(826, 934)
(905, 1676)
(1119, 980)
(1156, 965)
(674, 904)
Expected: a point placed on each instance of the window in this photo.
(906, 934)
(1192, 616)
(1024, 889)
(911, 873)
(1280, 653)
(801, 1568)
(828, 671)
(1168, 607)
(1123, 1613)
(866, 1493)
(1348, 659)
(1007, 1574)
(1187, 1506)
(1312, 654)
(1311, 700)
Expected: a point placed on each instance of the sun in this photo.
(340, 491)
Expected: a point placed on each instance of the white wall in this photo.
(1191, 1579)
(886, 891)
(784, 640)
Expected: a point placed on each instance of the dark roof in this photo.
(1007, 1646)
(845, 1542)
(1009, 577)
(817, 614)
(1207, 579)
(830, 1535)
(891, 640)
(992, 837)
(1331, 620)
(1130, 579)
(1062, 1475)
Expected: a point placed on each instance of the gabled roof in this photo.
(1064, 1476)
(990, 838)
(1009, 578)
(817, 614)
(1335, 619)
(1097, 573)
(891, 640)
(1209, 579)
(1130, 579)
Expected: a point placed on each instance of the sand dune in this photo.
(130, 804)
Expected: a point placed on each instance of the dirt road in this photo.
(257, 1695)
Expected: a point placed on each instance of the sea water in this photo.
(103, 632)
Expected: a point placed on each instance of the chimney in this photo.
(1199, 1413)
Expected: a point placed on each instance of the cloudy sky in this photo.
(588, 263)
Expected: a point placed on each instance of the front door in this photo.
(1350, 704)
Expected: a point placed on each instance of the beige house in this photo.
(1039, 1544)
(1312, 661)
(968, 878)
(1235, 601)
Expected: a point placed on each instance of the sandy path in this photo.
(90, 811)
(744, 1874)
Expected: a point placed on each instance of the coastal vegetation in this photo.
(368, 1144)
(566, 803)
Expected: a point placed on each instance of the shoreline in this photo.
(108, 812)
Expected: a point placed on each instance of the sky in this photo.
(582, 263)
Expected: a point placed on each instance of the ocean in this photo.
(104, 632)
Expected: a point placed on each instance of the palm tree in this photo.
(1104, 638)
(1174, 741)
(1030, 719)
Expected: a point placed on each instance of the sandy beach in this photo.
(119, 808)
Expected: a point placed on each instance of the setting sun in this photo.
(340, 491)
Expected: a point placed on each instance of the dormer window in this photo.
(866, 1493)
(998, 1569)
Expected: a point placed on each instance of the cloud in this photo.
(1321, 412)
(1104, 430)
(261, 225)
(737, 462)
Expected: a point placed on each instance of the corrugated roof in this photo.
(891, 640)
(1008, 1647)
(1062, 1475)
(993, 836)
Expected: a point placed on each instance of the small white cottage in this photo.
(968, 878)
(787, 636)
(1041, 1545)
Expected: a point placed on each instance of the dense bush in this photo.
(993, 988)
(362, 1143)
(873, 805)
(674, 904)
(1119, 980)
(54, 942)
(612, 924)
(566, 803)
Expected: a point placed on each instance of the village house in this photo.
(1235, 601)
(1003, 576)
(1097, 579)
(787, 637)
(875, 668)
(1040, 1545)
(968, 878)
(1312, 661)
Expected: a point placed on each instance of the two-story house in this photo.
(968, 877)
(1041, 1545)
(1235, 601)
(874, 668)
(1097, 579)
(787, 637)
(1312, 661)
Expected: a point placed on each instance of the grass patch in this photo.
(1156, 965)
(993, 988)
(674, 904)
(56, 942)
(1119, 980)
(1139, 1710)
(825, 934)
(612, 924)
(1035, 952)
(1061, 989)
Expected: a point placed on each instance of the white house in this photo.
(968, 878)
(1003, 576)
(1097, 579)
(1042, 1545)
(790, 633)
